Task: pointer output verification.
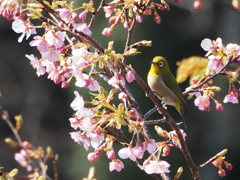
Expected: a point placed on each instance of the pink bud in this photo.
(130, 76)
(65, 84)
(198, 4)
(108, 31)
(228, 165)
(157, 19)
(111, 20)
(160, 7)
(166, 151)
(92, 157)
(26, 144)
(217, 163)
(127, 24)
(74, 15)
(117, 20)
(123, 96)
(219, 107)
(139, 18)
(110, 154)
(221, 172)
(82, 15)
(148, 12)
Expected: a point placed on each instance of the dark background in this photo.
(45, 107)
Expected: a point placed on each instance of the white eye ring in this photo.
(160, 64)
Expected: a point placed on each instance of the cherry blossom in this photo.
(65, 14)
(22, 159)
(130, 76)
(24, 27)
(202, 102)
(96, 138)
(108, 10)
(52, 54)
(79, 138)
(231, 98)
(211, 46)
(174, 138)
(127, 152)
(36, 64)
(78, 102)
(82, 27)
(156, 167)
(150, 145)
(79, 58)
(40, 43)
(91, 83)
(115, 80)
(10, 9)
(55, 38)
(116, 165)
(215, 63)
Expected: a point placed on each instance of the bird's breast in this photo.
(164, 93)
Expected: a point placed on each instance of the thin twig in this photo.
(5, 116)
(194, 88)
(94, 16)
(129, 37)
(158, 121)
(220, 154)
(150, 112)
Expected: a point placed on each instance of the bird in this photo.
(162, 82)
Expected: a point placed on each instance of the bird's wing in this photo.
(173, 85)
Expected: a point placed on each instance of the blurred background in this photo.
(45, 107)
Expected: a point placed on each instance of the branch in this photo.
(5, 117)
(184, 148)
(129, 37)
(96, 13)
(194, 88)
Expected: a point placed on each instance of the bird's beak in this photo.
(152, 62)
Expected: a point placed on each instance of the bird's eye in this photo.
(160, 64)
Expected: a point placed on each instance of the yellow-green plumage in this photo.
(163, 83)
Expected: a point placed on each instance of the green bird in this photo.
(163, 83)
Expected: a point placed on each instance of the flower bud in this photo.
(228, 165)
(65, 84)
(198, 4)
(148, 12)
(11, 142)
(219, 107)
(108, 31)
(221, 172)
(179, 173)
(157, 18)
(92, 157)
(110, 154)
(82, 15)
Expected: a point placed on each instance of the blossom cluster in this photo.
(128, 11)
(68, 52)
(92, 129)
(219, 60)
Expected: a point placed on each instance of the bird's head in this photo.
(159, 65)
